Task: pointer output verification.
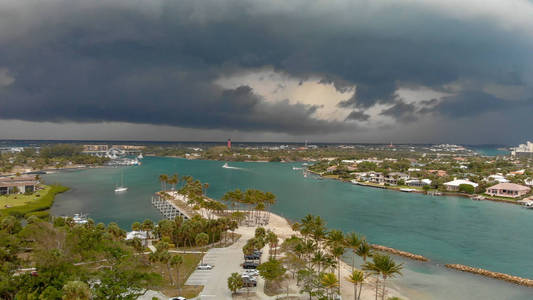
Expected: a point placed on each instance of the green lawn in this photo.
(13, 200)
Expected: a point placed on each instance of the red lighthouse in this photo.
(229, 144)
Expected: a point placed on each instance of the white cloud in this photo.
(5, 78)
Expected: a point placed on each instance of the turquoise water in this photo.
(484, 234)
(489, 150)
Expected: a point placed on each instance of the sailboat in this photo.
(121, 188)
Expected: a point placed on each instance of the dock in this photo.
(168, 209)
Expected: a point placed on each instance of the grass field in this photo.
(21, 199)
(24, 205)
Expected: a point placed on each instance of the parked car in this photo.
(251, 272)
(258, 252)
(177, 298)
(248, 281)
(252, 257)
(204, 267)
(249, 265)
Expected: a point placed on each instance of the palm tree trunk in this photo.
(178, 279)
(360, 290)
(355, 291)
(383, 295)
(377, 286)
(170, 274)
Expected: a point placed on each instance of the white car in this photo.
(204, 267)
(177, 298)
(251, 272)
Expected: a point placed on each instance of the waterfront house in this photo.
(418, 182)
(508, 189)
(17, 185)
(375, 177)
(331, 168)
(497, 177)
(453, 186)
(393, 177)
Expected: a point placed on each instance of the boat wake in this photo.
(226, 166)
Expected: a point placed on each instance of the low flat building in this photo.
(17, 185)
(508, 189)
(418, 182)
(453, 186)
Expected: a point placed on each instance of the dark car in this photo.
(252, 257)
(249, 281)
(249, 265)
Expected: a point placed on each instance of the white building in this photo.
(418, 182)
(453, 186)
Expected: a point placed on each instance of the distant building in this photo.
(128, 147)
(497, 177)
(523, 149)
(88, 148)
(18, 185)
(453, 186)
(507, 189)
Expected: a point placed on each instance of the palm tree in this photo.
(318, 260)
(330, 283)
(136, 226)
(352, 241)
(372, 267)
(387, 267)
(337, 252)
(357, 277)
(364, 250)
(176, 261)
(201, 240)
(163, 178)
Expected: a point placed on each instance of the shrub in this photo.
(466, 188)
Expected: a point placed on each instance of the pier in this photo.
(167, 208)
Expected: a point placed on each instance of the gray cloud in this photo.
(358, 116)
(155, 62)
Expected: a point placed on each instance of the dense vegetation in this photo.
(57, 155)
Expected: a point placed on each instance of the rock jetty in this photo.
(495, 275)
(399, 252)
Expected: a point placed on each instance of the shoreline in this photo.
(444, 194)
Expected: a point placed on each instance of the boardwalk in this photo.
(168, 209)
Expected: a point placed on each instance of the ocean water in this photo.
(489, 150)
(483, 234)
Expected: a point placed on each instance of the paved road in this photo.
(225, 261)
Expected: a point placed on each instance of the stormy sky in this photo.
(326, 71)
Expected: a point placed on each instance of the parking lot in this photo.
(225, 262)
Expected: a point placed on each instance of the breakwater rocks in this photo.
(495, 275)
(399, 252)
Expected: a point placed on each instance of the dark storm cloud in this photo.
(471, 104)
(357, 116)
(155, 62)
(401, 111)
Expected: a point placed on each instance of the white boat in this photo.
(226, 166)
(296, 168)
(121, 188)
(80, 219)
(140, 156)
